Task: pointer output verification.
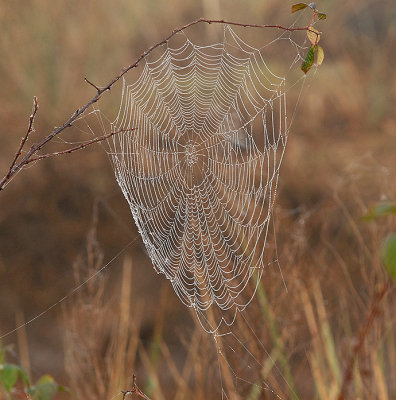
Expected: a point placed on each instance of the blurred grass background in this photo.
(340, 160)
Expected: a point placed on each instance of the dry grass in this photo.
(339, 161)
(293, 344)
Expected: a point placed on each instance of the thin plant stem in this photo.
(374, 311)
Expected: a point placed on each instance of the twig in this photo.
(32, 152)
(134, 390)
(79, 147)
(362, 336)
(92, 84)
(26, 137)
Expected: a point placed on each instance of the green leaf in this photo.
(45, 388)
(321, 15)
(381, 210)
(62, 388)
(319, 55)
(2, 354)
(309, 59)
(24, 376)
(8, 376)
(298, 7)
(388, 255)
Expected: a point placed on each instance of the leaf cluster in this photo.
(11, 375)
(388, 248)
(312, 6)
(313, 36)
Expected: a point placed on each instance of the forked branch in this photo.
(32, 154)
(135, 390)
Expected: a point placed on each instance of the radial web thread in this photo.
(201, 136)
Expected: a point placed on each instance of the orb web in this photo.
(201, 136)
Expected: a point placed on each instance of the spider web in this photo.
(200, 139)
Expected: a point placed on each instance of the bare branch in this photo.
(31, 154)
(92, 84)
(79, 147)
(23, 141)
(134, 390)
(374, 311)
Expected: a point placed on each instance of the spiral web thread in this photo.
(201, 136)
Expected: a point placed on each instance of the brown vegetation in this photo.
(340, 160)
